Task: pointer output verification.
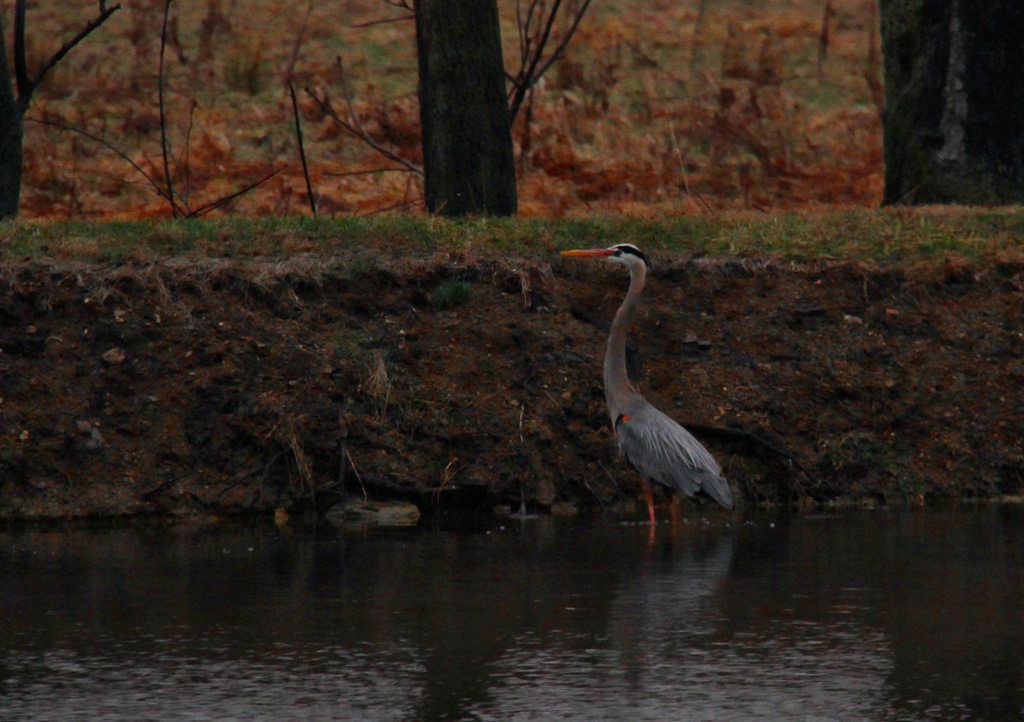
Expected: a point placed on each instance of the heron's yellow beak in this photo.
(590, 253)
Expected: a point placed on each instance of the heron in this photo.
(655, 445)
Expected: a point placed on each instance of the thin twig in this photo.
(27, 86)
(682, 171)
(607, 473)
(204, 209)
(563, 44)
(398, 206)
(533, 67)
(342, 450)
(382, 21)
(187, 193)
(824, 37)
(163, 117)
(302, 149)
(592, 492)
(356, 128)
(289, 72)
(242, 479)
(355, 471)
(521, 27)
(406, 5)
(372, 171)
(527, 76)
(162, 192)
(556, 405)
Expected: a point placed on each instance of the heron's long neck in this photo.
(617, 388)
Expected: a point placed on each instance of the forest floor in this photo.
(199, 386)
(653, 108)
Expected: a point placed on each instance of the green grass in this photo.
(874, 236)
(450, 294)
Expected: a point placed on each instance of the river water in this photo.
(914, 615)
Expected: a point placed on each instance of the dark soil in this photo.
(216, 386)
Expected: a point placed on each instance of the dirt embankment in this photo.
(228, 386)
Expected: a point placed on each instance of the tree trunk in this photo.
(11, 136)
(467, 141)
(953, 125)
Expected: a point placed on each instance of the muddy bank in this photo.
(213, 386)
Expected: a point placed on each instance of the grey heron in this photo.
(655, 445)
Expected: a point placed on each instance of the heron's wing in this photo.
(665, 452)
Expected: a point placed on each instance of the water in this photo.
(872, 616)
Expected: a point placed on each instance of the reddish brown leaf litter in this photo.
(656, 108)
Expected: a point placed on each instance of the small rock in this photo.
(114, 356)
(809, 309)
(394, 513)
(95, 441)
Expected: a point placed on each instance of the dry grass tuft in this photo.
(378, 383)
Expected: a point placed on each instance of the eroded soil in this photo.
(226, 386)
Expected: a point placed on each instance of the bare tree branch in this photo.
(214, 205)
(370, 171)
(160, 190)
(523, 26)
(355, 127)
(302, 149)
(289, 71)
(26, 85)
(562, 44)
(533, 64)
(527, 72)
(405, 5)
(356, 130)
(186, 168)
(163, 117)
(382, 21)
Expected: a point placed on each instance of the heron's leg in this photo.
(649, 498)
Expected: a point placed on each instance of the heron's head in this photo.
(625, 253)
